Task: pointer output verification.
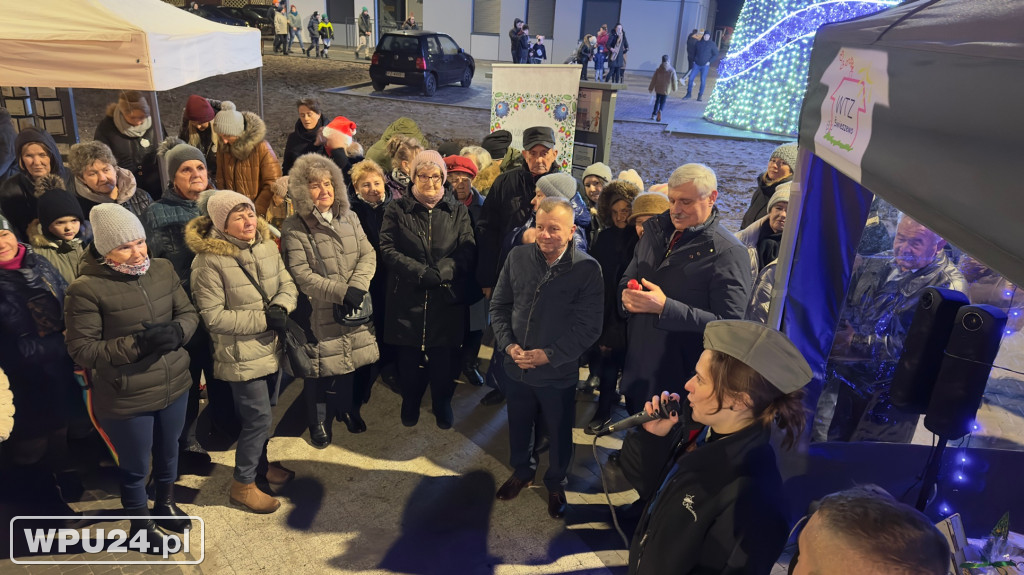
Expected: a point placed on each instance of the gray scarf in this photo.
(129, 130)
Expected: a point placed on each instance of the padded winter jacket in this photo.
(104, 311)
(232, 308)
(64, 256)
(249, 166)
(165, 221)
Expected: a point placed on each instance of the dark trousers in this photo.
(557, 408)
(200, 356)
(139, 436)
(253, 402)
(436, 372)
(659, 103)
(328, 397)
(281, 43)
(607, 368)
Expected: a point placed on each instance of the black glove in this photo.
(159, 338)
(353, 299)
(430, 279)
(277, 318)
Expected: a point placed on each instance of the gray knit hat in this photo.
(781, 195)
(600, 169)
(220, 205)
(113, 226)
(558, 185)
(787, 153)
(177, 152)
(228, 121)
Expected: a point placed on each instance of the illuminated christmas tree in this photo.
(762, 80)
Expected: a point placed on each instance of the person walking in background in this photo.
(244, 295)
(129, 132)
(365, 34)
(245, 161)
(663, 83)
(128, 318)
(294, 28)
(280, 30)
(410, 23)
(600, 53)
(617, 48)
(691, 50)
(313, 27)
(704, 52)
(513, 36)
(326, 31)
(333, 263)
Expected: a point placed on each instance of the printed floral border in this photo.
(561, 108)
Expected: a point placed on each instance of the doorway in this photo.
(597, 12)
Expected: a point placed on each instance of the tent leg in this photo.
(158, 130)
(259, 91)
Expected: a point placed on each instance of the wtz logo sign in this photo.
(32, 544)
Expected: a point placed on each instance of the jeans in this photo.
(138, 436)
(556, 407)
(703, 71)
(659, 103)
(291, 38)
(252, 404)
(599, 66)
(583, 74)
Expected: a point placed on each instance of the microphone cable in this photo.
(608, 497)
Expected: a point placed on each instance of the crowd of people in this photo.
(342, 266)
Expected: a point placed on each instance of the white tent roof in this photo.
(123, 44)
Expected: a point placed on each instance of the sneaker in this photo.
(687, 96)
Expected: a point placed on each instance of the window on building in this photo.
(540, 17)
(486, 16)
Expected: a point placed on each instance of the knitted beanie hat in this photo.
(649, 204)
(557, 185)
(177, 152)
(632, 177)
(787, 153)
(198, 110)
(220, 205)
(600, 169)
(228, 121)
(781, 195)
(5, 224)
(429, 157)
(113, 226)
(54, 202)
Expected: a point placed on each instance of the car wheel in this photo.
(378, 86)
(429, 85)
(467, 77)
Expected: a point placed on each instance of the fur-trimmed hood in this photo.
(39, 238)
(200, 237)
(298, 186)
(614, 191)
(254, 133)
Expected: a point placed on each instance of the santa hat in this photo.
(340, 125)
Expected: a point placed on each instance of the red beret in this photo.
(460, 164)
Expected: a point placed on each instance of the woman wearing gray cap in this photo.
(713, 490)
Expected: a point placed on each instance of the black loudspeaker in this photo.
(972, 347)
(926, 339)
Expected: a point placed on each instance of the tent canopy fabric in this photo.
(130, 45)
(946, 146)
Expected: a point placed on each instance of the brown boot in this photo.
(249, 496)
(278, 474)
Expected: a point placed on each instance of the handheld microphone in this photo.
(667, 407)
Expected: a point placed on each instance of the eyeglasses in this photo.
(435, 180)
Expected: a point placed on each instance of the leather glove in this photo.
(353, 299)
(430, 279)
(277, 318)
(159, 338)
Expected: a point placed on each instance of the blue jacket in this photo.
(555, 308)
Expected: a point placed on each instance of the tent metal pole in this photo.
(259, 90)
(158, 130)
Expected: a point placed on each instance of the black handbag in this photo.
(293, 335)
(359, 316)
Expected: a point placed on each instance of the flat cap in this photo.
(765, 350)
(538, 135)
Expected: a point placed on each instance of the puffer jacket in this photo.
(749, 236)
(137, 155)
(302, 141)
(378, 152)
(32, 350)
(412, 239)
(18, 201)
(349, 259)
(249, 166)
(761, 295)
(232, 308)
(104, 311)
(664, 80)
(165, 221)
(129, 195)
(64, 256)
(6, 407)
(759, 197)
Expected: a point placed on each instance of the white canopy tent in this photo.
(145, 45)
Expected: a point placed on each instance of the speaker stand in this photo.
(931, 473)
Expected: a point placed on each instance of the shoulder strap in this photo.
(256, 284)
(316, 250)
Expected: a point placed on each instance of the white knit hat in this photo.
(113, 226)
(228, 121)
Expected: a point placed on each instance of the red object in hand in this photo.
(633, 284)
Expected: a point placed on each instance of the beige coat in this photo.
(664, 80)
(249, 166)
(231, 307)
(6, 407)
(350, 260)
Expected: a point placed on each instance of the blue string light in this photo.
(762, 80)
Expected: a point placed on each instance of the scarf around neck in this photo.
(129, 130)
(15, 262)
(129, 269)
(400, 177)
